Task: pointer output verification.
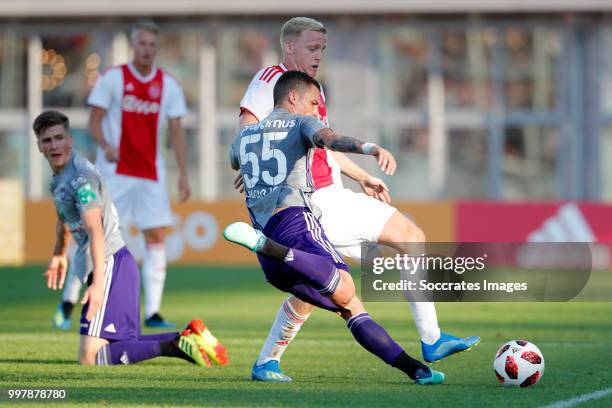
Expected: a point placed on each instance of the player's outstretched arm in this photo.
(92, 220)
(58, 265)
(348, 167)
(372, 186)
(375, 187)
(347, 144)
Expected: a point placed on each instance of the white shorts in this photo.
(140, 202)
(351, 219)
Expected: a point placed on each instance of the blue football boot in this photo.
(158, 322)
(60, 321)
(269, 372)
(447, 345)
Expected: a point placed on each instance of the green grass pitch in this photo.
(328, 367)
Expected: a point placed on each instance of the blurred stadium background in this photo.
(499, 113)
(495, 109)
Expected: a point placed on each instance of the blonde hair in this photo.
(297, 25)
(146, 25)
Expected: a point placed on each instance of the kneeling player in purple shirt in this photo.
(110, 320)
(274, 159)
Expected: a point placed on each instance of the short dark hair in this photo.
(50, 118)
(290, 81)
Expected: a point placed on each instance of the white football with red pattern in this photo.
(519, 363)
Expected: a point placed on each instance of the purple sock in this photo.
(374, 338)
(128, 352)
(159, 337)
(318, 269)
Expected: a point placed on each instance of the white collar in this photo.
(139, 76)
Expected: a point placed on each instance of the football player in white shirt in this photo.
(303, 42)
(131, 105)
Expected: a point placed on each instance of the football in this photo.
(519, 363)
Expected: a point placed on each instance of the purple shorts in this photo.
(119, 316)
(297, 228)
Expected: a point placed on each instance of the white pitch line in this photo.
(580, 399)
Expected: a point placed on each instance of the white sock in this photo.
(285, 327)
(153, 277)
(426, 320)
(72, 287)
(423, 313)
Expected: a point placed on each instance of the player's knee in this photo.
(400, 232)
(89, 348)
(410, 231)
(154, 236)
(353, 308)
(342, 299)
(87, 358)
(345, 292)
(300, 307)
(416, 233)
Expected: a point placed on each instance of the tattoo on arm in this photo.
(346, 144)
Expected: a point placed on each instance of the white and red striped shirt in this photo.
(259, 100)
(138, 109)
